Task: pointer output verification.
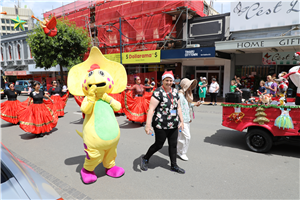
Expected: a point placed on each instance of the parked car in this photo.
(19, 181)
(23, 85)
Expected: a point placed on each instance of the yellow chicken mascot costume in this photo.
(94, 79)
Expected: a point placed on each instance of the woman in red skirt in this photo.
(120, 98)
(59, 103)
(136, 102)
(11, 107)
(38, 118)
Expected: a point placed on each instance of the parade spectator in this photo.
(202, 89)
(2, 79)
(186, 103)
(30, 86)
(177, 82)
(268, 84)
(166, 111)
(273, 88)
(262, 87)
(213, 91)
(44, 84)
(234, 88)
(152, 82)
(147, 84)
(238, 83)
(64, 88)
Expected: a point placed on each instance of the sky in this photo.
(40, 6)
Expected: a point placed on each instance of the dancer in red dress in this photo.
(38, 118)
(11, 107)
(65, 93)
(137, 102)
(59, 103)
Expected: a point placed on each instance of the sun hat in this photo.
(214, 79)
(168, 74)
(204, 78)
(186, 83)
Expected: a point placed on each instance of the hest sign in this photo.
(246, 15)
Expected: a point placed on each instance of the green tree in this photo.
(67, 48)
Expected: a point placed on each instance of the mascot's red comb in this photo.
(93, 67)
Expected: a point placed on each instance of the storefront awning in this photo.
(33, 68)
(259, 45)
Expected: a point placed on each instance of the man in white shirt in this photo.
(213, 90)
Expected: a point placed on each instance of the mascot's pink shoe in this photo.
(115, 172)
(87, 176)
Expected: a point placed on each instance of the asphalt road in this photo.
(220, 165)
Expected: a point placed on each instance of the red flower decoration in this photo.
(53, 89)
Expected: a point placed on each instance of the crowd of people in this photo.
(35, 115)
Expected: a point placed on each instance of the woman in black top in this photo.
(59, 104)
(11, 107)
(164, 113)
(38, 118)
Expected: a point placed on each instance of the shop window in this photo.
(10, 52)
(3, 21)
(30, 52)
(8, 28)
(2, 58)
(3, 28)
(19, 51)
(7, 21)
(26, 29)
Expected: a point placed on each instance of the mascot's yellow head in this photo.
(108, 76)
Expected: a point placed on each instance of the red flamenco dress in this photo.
(38, 117)
(65, 97)
(11, 108)
(120, 98)
(59, 102)
(137, 104)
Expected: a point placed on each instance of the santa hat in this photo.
(297, 53)
(168, 74)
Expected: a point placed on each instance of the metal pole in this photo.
(120, 31)
(186, 24)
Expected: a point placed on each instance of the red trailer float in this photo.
(265, 124)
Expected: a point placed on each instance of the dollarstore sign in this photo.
(136, 57)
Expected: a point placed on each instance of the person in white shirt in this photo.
(213, 90)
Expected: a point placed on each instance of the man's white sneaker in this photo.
(183, 157)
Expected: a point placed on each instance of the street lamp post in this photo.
(120, 32)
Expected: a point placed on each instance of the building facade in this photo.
(18, 63)
(7, 26)
(261, 43)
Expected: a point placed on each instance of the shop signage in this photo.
(136, 57)
(15, 73)
(249, 15)
(280, 58)
(259, 43)
(188, 53)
